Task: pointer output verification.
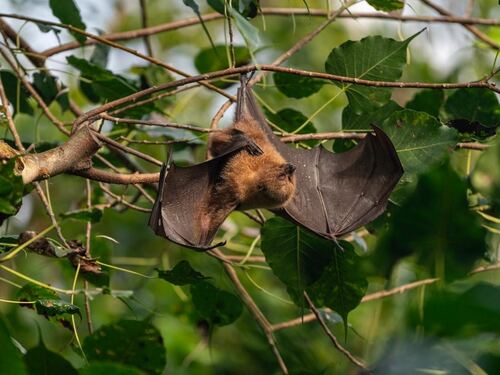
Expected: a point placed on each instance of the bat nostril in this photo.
(290, 168)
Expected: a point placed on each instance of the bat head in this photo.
(272, 186)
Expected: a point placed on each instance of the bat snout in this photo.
(289, 168)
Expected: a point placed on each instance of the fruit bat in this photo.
(330, 194)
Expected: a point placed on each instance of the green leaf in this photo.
(106, 86)
(46, 86)
(386, 5)
(196, 9)
(47, 302)
(98, 368)
(435, 225)
(211, 59)
(342, 284)
(296, 256)
(373, 58)
(289, 120)
(41, 361)
(55, 307)
(429, 101)
(361, 118)
(11, 362)
(247, 8)
(217, 306)
(486, 174)
(475, 105)
(16, 93)
(11, 189)
(128, 342)
(295, 86)
(100, 55)
(93, 215)
(68, 13)
(249, 32)
(7, 243)
(420, 140)
(181, 274)
(475, 310)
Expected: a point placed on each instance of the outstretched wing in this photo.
(335, 193)
(183, 194)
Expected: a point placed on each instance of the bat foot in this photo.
(253, 149)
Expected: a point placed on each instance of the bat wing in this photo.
(335, 193)
(183, 192)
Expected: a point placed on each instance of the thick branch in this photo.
(71, 156)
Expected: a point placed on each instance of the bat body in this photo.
(329, 194)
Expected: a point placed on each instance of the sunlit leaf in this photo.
(386, 5)
(373, 58)
(250, 32)
(356, 118)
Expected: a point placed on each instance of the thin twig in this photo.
(88, 238)
(330, 335)
(474, 30)
(144, 22)
(253, 309)
(178, 24)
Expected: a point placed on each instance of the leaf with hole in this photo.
(128, 342)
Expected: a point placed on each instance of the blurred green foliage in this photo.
(150, 317)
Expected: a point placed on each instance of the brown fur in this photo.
(247, 181)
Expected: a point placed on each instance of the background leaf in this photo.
(129, 342)
(421, 227)
(429, 101)
(386, 5)
(40, 360)
(68, 13)
(181, 274)
(10, 360)
(217, 306)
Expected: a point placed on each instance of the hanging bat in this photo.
(329, 194)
